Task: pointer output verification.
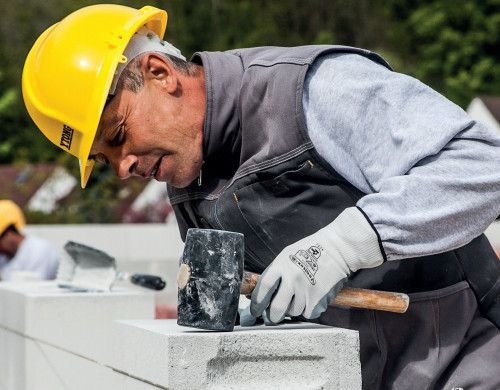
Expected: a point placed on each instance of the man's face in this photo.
(155, 132)
(8, 244)
(3, 248)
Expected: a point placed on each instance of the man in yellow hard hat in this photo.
(338, 171)
(23, 256)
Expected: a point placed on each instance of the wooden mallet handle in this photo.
(353, 297)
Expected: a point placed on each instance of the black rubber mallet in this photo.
(211, 279)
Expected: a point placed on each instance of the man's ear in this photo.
(155, 67)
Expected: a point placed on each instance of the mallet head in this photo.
(209, 279)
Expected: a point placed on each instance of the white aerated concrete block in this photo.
(27, 364)
(292, 356)
(77, 322)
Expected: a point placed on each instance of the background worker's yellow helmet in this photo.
(69, 70)
(10, 214)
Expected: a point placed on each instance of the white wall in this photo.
(147, 248)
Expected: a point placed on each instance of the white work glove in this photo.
(247, 319)
(307, 275)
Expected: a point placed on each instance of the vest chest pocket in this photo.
(274, 209)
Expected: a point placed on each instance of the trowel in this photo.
(211, 279)
(83, 268)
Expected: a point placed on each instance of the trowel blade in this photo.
(87, 269)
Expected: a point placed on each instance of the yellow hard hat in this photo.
(69, 70)
(10, 214)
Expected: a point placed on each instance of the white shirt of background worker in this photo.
(20, 253)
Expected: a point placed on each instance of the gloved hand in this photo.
(247, 319)
(307, 275)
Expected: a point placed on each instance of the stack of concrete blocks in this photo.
(53, 339)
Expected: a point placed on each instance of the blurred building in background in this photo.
(486, 109)
(47, 192)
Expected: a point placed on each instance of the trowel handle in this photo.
(148, 281)
(353, 297)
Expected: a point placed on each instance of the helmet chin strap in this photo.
(143, 41)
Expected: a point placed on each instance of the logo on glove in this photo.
(307, 260)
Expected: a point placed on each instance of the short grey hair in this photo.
(132, 78)
(142, 42)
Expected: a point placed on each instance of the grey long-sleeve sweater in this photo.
(430, 172)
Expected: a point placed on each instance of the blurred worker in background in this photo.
(23, 254)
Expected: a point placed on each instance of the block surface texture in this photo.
(290, 356)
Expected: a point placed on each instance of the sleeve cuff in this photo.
(356, 239)
(382, 250)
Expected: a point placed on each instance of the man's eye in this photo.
(100, 158)
(118, 138)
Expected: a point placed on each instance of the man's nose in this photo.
(126, 167)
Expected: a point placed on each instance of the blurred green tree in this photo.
(454, 46)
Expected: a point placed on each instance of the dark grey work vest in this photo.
(263, 177)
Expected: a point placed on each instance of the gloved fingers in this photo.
(297, 305)
(246, 318)
(315, 311)
(280, 302)
(264, 290)
(267, 321)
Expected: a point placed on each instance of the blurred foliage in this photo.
(452, 45)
